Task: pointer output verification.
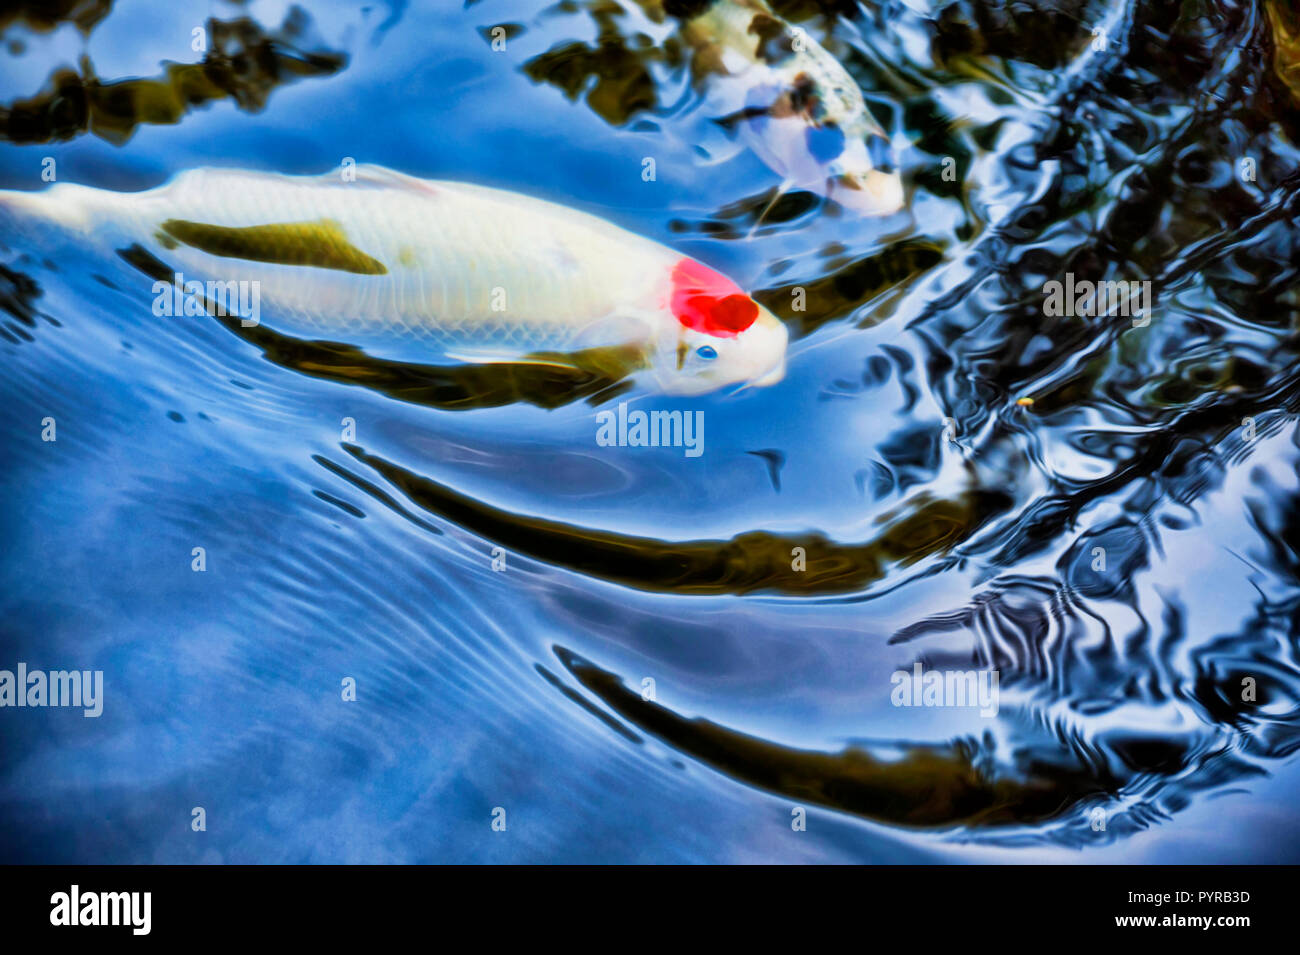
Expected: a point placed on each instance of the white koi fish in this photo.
(476, 272)
(793, 103)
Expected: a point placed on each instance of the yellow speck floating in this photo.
(1025, 402)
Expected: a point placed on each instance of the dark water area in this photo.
(636, 654)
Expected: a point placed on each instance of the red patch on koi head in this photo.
(708, 302)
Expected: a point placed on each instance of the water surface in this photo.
(948, 456)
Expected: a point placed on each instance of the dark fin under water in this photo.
(752, 562)
(928, 787)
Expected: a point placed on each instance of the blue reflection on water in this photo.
(223, 687)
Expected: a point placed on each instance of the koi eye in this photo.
(707, 352)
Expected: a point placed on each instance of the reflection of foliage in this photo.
(245, 64)
(1172, 112)
(18, 295)
(736, 220)
(1046, 33)
(614, 72)
(1285, 21)
(794, 11)
(45, 15)
(846, 286)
